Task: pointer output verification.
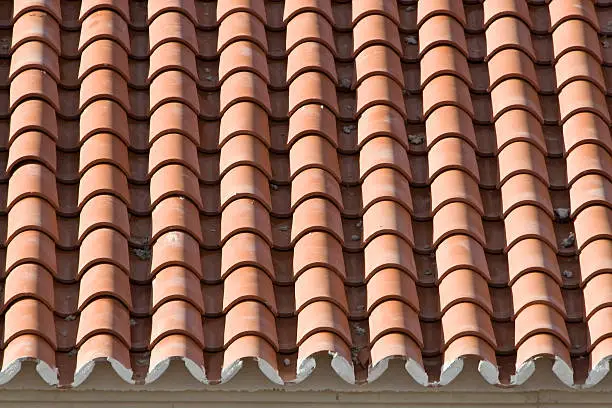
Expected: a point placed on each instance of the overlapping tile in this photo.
(214, 182)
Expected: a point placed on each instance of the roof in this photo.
(219, 181)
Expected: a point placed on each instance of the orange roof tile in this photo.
(214, 181)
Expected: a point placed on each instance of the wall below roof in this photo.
(177, 389)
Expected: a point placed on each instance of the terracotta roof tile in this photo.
(231, 180)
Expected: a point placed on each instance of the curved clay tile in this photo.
(103, 178)
(457, 218)
(248, 283)
(318, 248)
(540, 318)
(176, 213)
(464, 285)
(386, 184)
(29, 281)
(174, 117)
(295, 7)
(172, 55)
(441, 30)
(576, 35)
(515, 93)
(563, 10)
(313, 119)
(449, 121)
(311, 56)
(467, 319)
(455, 185)
(542, 344)
(32, 213)
(29, 316)
(243, 56)
(373, 30)
(597, 294)
(255, 7)
(529, 221)
(532, 255)
(104, 210)
(244, 86)
(241, 26)
(391, 283)
(446, 90)
(313, 151)
(251, 347)
(173, 86)
(104, 148)
(316, 214)
(104, 280)
(306, 27)
(119, 6)
(494, 10)
(522, 158)
(461, 252)
(319, 284)
(104, 245)
(369, 7)
(445, 60)
(380, 90)
(509, 32)
(536, 288)
(322, 316)
(588, 158)
(588, 190)
(176, 346)
(32, 179)
(173, 148)
(594, 222)
(511, 63)
(243, 150)
(250, 318)
(31, 246)
(579, 65)
(245, 181)
(104, 115)
(452, 153)
(34, 55)
(381, 120)
(389, 251)
(525, 189)
(245, 215)
(36, 26)
(582, 96)
(33, 114)
(394, 316)
(187, 7)
(315, 182)
(32, 146)
(432, 8)
(172, 27)
(30, 347)
(585, 127)
(387, 217)
(176, 282)
(102, 347)
(33, 83)
(177, 317)
(312, 88)
(49, 6)
(383, 152)
(246, 118)
(519, 125)
(104, 24)
(245, 249)
(176, 248)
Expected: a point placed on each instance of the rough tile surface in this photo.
(275, 180)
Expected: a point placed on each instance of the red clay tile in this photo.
(256, 7)
(497, 9)
(525, 189)
(177, 317)
(38, 26)
(461, 252)
(37, 55)
(32, 146)
(30, 347)
(529, 221)
(102, 347)
(29, 281)
(571, 9)
(104, 280)
(536, 288)
(32, 180)
(576, 35)
(540, 318)
(175, 180)
(383, 152)
(316, 214)
(241, 26)
(579, 65)
(244, 150)
(317, 284)
(245, 249)
(386, 184)
(315, 182)
(293, 8)
(519, 125)
(186, 7)
(391, 283)
(242, 56)
(589, 190)
(581, 96)
(464, 285)
(511, 63)
(173, 86)
(309, 56)
(308, 26)
(441, 30)
(175, 282)
(446, 90)
(172, 55)
(509, 32)
(250, 318)
(318, 248)
(174, 117)
(247, 283)
(172, 26)
(312, 88)
(381, 120)
(542, 344)
(380, 90)
(313, 119)
(394, 316)
(175, 213)
(440, 7)
(104, 245)
(532, 255)
(32, 213)
(588, 158)
(29, 316)
(244, 86)
(455, 185)
(376, 29)
(467, 319)
(33, 114)
(176, 248)
(245, 215)
(445, 60)
(119, 6)
(105, 24)
(244, 118)
(387, 217)
(449, 121)
(33, 83)
(457, 218)
(388, 251)
(313, 151)
(393, 345)
(522, 158)
(104, 115)
(49, 6)
(103, 179)
(245, 181)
